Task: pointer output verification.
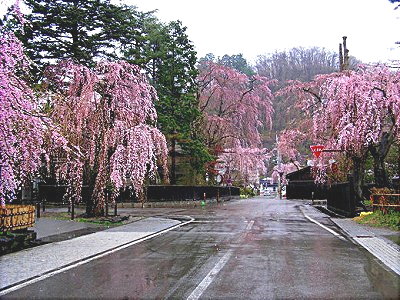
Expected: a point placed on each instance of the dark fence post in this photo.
(72, 209)
(35, 199)
(38, 209)
(352, 204)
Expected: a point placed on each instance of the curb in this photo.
(387, 254)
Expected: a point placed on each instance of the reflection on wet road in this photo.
(244, 249)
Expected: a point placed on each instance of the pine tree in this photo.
(169, 58)
(82, 30)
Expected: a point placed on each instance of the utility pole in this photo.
(279, 163)
(343, 55)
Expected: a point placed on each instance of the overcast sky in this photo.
(255, 27)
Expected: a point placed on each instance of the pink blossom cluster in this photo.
(107, 117)
(235, 107)
(21, 127)
(289, 142)
(245, 165)
(359, 107)
(351, 110)
(279, 172)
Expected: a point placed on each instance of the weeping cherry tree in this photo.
(108, 119)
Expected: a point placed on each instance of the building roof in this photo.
(302, 174)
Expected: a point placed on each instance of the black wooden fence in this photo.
(155, 193)
(183, 192)
(305, 189)
(340, 196)
(341, 199)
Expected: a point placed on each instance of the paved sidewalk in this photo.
(47, 227)
(32, 263)
(373, 241)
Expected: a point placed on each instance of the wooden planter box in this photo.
(14, 217)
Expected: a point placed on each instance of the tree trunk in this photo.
(398, 161)
(379, 153)
(90, 205)
(358, 178)
(173, 161)
(380, 174)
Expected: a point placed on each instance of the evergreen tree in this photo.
(84, 30)
(87, 31)
(237, 62)
(168, 56)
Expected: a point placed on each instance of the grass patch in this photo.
(100, 220)
(390, 220)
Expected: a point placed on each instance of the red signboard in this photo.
(317, 150)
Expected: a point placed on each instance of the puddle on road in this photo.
(386, 283)
(394, 238)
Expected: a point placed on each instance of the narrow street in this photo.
(256, 248)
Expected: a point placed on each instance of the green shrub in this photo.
(390, 220)
(247, 192)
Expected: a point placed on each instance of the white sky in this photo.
(255, 27)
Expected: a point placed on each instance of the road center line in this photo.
(86, 260)
(323, 226)
(199, 290)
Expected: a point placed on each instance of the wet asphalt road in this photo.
(243, 249)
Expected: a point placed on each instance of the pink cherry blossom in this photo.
(107, 117)
(21, 126)
(235, 107)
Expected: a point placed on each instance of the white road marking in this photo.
(323, 226)
(207, 221)
(250, 225)
(199, 290)
(84, 261)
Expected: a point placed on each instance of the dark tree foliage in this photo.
(168, 56)
(178, 108)
(235, 61)
(90, 30)
(83, 30)
(395, 1)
